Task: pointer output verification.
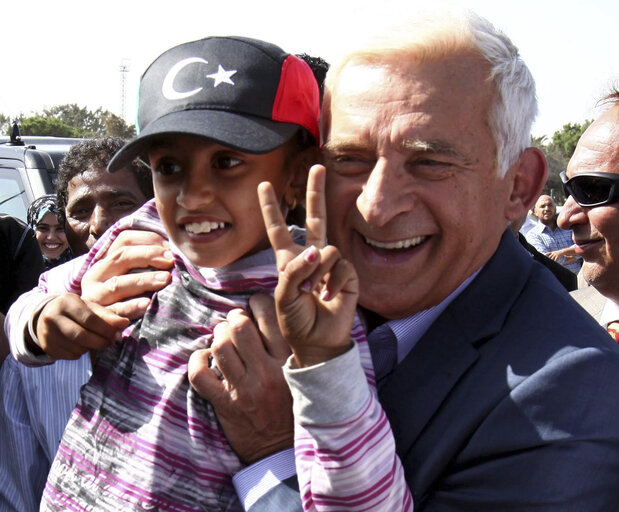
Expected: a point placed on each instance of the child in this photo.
(218, 116)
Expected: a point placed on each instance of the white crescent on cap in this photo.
(167, 89)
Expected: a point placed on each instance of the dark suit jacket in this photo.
(508, 402)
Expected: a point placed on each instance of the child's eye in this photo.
(166, 167)
(226, 162)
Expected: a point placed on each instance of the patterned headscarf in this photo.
(36, 211)
(41, 207)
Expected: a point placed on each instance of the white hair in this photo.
(439, 34)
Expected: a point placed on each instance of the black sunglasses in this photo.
(592, 188)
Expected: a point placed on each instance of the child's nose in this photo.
(196, 191)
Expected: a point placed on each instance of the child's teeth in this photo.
(203, 227)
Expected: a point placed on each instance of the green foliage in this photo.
(47, 126)
(558, 152)
(70, 120)
(567, 138)
(114, 125)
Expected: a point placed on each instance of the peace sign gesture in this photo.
(317, 291)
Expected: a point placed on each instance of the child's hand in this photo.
(317, 292)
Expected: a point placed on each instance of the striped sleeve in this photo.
(344, 447)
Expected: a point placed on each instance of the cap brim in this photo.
(241, 132)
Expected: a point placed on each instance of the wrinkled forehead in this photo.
(598, 148)
(449, 84)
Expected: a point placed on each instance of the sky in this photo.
(65, 51)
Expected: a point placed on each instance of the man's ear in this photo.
(299, 168)
(529, 175)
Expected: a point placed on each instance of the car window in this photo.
(13, 200)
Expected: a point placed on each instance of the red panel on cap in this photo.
(297, 99)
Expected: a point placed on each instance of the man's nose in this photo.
(571, 214)
(100, 220)
(383, 195)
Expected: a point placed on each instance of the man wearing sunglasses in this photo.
(592, 213)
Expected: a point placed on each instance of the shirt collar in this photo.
(409, 330)
(610, 313)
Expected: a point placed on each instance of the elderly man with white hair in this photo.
(498, 389)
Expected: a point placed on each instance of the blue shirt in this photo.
(35, 406)
(546, 240)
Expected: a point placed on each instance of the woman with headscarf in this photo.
(47, 222)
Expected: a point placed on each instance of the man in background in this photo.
(592, 213)
(35, 403)
(550, 239)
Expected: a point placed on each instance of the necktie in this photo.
(384, 350)
(613, 330)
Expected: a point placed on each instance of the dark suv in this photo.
(28, 169)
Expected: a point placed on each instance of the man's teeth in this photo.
(204, 227)
(400, 244)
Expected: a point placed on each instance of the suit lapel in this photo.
(424, 379)
(420, 383)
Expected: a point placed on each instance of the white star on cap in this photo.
(222, 76)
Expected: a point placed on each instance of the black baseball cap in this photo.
(243, 93)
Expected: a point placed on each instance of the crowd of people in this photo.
(190, 346)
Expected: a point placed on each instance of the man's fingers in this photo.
(67, 327)
(121, 287)
(316, 210)
(230, 363)
(131, 237)
(202, 378)
(132, 309)
(126, 259)
(104, 320)
(263, 310)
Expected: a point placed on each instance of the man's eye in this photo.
(350, 164)
(123, 203)
(226, 162)
(431, 169)
(166, 167)
(80, 213)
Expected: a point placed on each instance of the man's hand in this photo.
(253, 403)
(67, 327)
(317, 291)
(136, 263)
(568, 254)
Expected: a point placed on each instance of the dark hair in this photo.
(319, 67)
(96, 153)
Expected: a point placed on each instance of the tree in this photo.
(70, 120)
(567, 138)
(86, 121)
(558, 152)
(114, 125)
(47, 126)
